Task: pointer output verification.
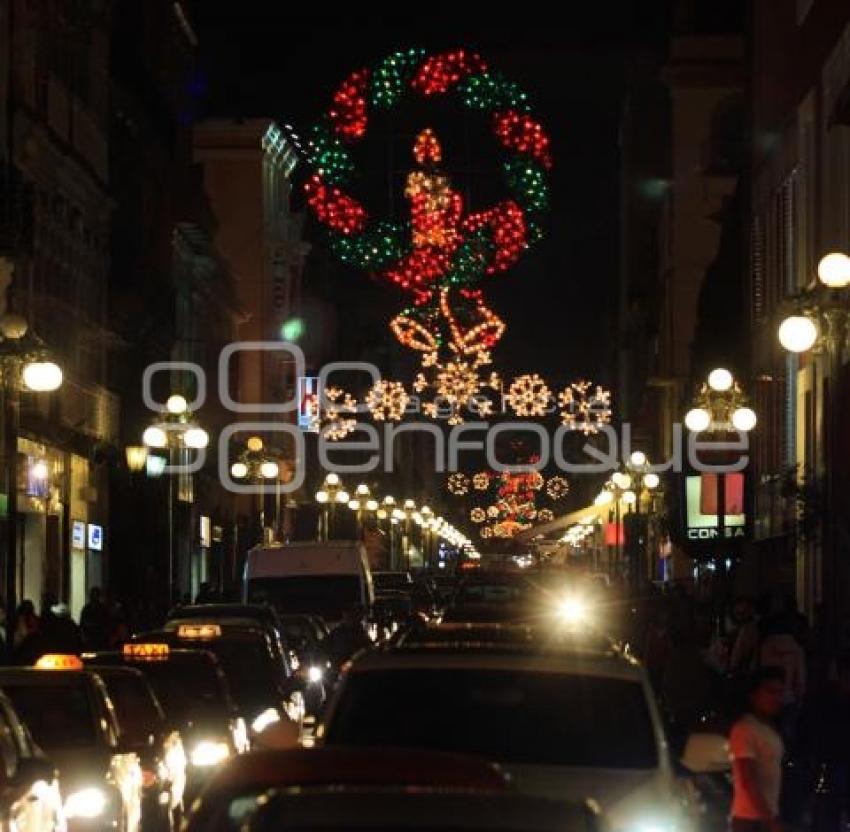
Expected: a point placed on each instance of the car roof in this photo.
(453, 657)
(331, 766)
(261, 612)
(230, 631)
(462, 810)
(518, 635)
(44, 677)
(176, 655)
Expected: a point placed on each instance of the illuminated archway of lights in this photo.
(508, 502)
(456, 392)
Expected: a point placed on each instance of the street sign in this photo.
(308, 403)
(95, 537)
(78, 534)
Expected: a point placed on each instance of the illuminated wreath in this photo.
(443, 252)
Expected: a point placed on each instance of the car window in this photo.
(58, 716)
(137, 710)
(512, 716)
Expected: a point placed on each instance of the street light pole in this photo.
(11, 423)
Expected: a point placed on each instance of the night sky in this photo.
(261, 58)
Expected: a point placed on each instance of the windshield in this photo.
(251, 671)
(533, 718)
(328, 596)
(392, 580)
(58, 716)
(187, 690)
(139, 715)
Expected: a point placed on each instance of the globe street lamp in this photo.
(177, 433)
(24, 366)
(820, 322)
(328, 497)
(254, 464)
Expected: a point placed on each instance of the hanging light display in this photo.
(458, 484)
(529, 396)
(387, 401)
(557, 488)
(585, 406)
(443, 251)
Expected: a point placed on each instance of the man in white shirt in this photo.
(756, 749)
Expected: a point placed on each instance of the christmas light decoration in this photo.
(439, 73)
(529, 396)
(557, 488)
(458, 484)
(391, 78)
(348, 113)
(387, 401)
(492, 91)
(441, 255)
(521, 133)
(545, 515)
(477, 515)
(585, 406)
(481, 481)
(486, 531)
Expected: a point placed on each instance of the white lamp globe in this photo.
(621, 479)
(697, 420)
(176, 404)
(720, 380)
(321, 496)
(354, 505)
(798, 333)
(629, 498)
(269, 470)
(651, 481)
(196, 438)
(603, 498)
(332, 479)
(744, 419)
(342, 496)
(638, 459)
(42, 376)
(834, 270)
(371, 505)
(239, 470)
(155, 437)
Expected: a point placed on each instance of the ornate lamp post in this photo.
(177, 433)
(820, 323)
(254, 465)
(24, 366)
(328, 497)
(644, 483)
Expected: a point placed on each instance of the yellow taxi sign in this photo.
(146, 651)
(59, 661)
(199, 631)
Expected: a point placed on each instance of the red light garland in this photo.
(334, 208)
(521, 133)
(439, 73)
(348, 114)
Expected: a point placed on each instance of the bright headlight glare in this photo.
(210, 753)
(85, 803)
(654, 826)
(268, 717)
(572, 610)
(315, 674)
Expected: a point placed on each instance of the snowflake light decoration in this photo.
(557, 488)
(339, 420)
(458, 484)
(585, 406)
(545, 515)
(477, 515)
(481, 481)
(529, 395)
(387, 401)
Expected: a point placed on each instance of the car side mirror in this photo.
(706, 754)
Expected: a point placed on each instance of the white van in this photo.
(323, 578)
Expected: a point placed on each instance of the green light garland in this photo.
(381, 244)
(392, 76)
(492, 91)
(328, 155)
(527, 182)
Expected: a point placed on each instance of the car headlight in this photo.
(209, 753)
(85, 803)
(573, 611)
(315, 674)
(268, 717)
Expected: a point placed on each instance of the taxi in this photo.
(71, 717)
(263, 687)
(30, 800)
(159, 745)
(193, 693)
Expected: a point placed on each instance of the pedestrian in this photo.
(94, 621)
(780, 648)
(26, 621)
(756, 748)
(59, 632)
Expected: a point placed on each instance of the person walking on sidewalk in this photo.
(756, 748)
